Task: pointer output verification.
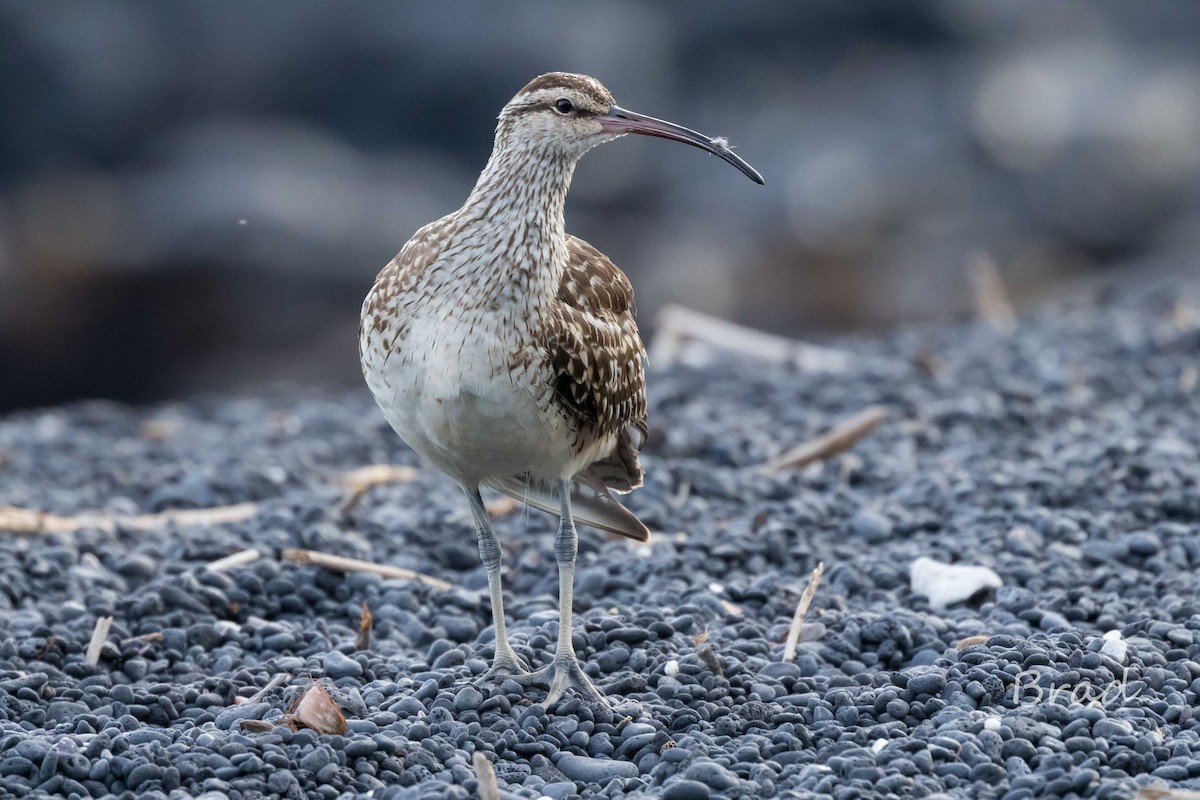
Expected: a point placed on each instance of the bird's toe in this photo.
(560, 675)
(505, 666)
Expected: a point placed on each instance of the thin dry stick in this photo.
(840, 438)
(789, 647)
(676, 325)
(971, 641)
(28, 523)
(1155, 793)
(343, 564)
(731, 608)
(153, 636)
(375, 474)
(501, 506)
(99, 637)
(238, 559)
(357, 481)
(488, 789)
(1185, 316)
(274, 683)
(1189, 376)
(991, 297)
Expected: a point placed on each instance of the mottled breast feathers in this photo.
(599, 360)
(383, 317)
(593, 354)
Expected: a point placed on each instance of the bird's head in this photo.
(569, 114)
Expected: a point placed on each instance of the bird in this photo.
(505, 351)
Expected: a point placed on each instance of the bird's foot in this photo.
(505, 664)
(563, 673)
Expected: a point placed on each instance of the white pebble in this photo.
(991, 724)
(227, 627)
(946, 584)
(671, 667)
(878, 745)
(716, 588)
(1115, 647)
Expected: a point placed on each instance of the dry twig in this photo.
(356, 482)
(840, 438)
(991, 297)
(971, 641)
(1184, 316)
(1156, 793)
(731, 607)
(488, 789)
(257, 726)
(274, 683)
(46, 648)
(26, 522)
(343, 564)
(502, 506)
(238, 559)
(677, 325)
(814, 580)
(99, 637)
(153, 636)
(1188, 378)
(160, 429)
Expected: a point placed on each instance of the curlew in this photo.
(504, 350)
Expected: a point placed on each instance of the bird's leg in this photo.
(505, 661)
(564, 672)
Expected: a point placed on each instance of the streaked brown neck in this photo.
(515, 213)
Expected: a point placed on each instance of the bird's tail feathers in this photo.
(591, 503)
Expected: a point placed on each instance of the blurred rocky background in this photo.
(196, 195)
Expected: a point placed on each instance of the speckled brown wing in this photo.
(599, 361)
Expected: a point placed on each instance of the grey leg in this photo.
(505, 662)
(564, 672)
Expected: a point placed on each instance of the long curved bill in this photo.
(619, 120)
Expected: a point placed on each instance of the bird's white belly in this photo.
(465, 411)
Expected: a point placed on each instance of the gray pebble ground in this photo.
(1063, 456)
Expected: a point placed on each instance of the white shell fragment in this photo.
(1114, 646)
(946, 584)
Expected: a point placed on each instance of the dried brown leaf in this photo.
(710, 660)
(365, 623)
(318, 711)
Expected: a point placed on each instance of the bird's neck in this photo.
(515, 213)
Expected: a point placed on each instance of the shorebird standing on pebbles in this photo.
(505, 352)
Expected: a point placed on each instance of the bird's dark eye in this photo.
(564, 106)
